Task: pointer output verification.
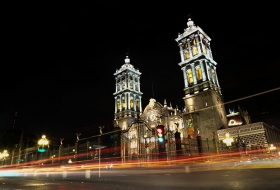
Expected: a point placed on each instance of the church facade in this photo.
(193, 130)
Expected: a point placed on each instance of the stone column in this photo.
(207, 70)
(185, 77)
(203, 71)
(116, 104)
(134, 102)
(209, 51)
(216, 77)
(189, 47)
(140, 102)
(181, 52)
(120, 102)
(133, 82)
(202, 45)
(139, 84)
(116, 84)
(128, 107)
(198, 44)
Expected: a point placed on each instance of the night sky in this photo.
(58, 64)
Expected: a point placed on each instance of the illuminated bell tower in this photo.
(203, 99)
(127, 95)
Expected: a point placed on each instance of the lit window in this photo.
(190, 76)
(187, 55)
(123, 103)
(195, 51)
(131, 103)
(118, 105)
(137, 105)
(194, 42)
(198, 73)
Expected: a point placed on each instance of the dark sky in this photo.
(58, 64)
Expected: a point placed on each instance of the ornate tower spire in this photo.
(165, 104)
(201, 88)
(127, 93)
(197, 64)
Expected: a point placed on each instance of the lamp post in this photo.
(90, 152)
(74, 152)
(189, 139)
(42, 143)
(4, 155)
(99, 147)
(272, 148)
(228, 140)
(146, 142)
(87, 148)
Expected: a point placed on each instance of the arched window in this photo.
(194, 42)
(131, 102)
(194, 50)
(187, 55)
(137, 105)
(190, 76)
(118, 105)
(198, 73)
(186, 45)
(123, 103)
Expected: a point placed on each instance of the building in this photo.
(198, 128)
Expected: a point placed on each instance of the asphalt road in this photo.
(208, 176)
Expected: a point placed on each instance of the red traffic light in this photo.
(159, 130)
(160, 133)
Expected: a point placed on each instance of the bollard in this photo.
(187, 169)
(87, 175)
(64, 174)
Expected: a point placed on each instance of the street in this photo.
(198, 176)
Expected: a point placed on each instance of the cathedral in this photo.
(161, 131)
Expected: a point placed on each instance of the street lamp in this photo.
(4, 155)
(42, 143)
(272, 148)
(228, 140)
(90, 152)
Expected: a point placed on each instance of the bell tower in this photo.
(127, 95)
(203, 98)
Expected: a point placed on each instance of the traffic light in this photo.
(160, 133)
